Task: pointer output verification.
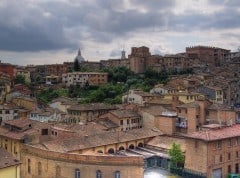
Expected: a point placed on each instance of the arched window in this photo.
(117, 174)
(140, 145)
(131, 146)
(99, 174)
(39, 168)
(111, 151)
(121, 148)
(58, 171)
(77, 173)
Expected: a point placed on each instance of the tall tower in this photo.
(123, 55)
(79, 57)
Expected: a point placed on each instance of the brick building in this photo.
(39, 73)
(214, 152)
(87, 112)
(85, 78)
(125, 119)
(8, 69)
(212, 56)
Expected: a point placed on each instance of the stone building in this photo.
(137, 96)
(39, 73)
(8, 112)
(211, 56)
(25, 73)
(138, 59)
(85, 78)
(125, 119)
(8, 69)
(87, 112)
(214, 152)
(9, 165)
(47, 152)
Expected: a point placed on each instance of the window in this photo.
(77, 173)
(44, 131)
(39, 168)
(229, 156)
(229, 169)
(220, 158)
(219, 144)
(117, 174)
(236, 168)
(237, 154)
(29, 166)
(127, 121)
(121, 122)
(229, 142)
(98, 174)
(237, 140)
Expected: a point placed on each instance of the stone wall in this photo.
(48, 164)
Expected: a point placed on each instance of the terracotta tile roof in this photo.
(165, 142)
(217, 134)
(143, 94)
(82, 129)
(20, 134)
(20, 123)
(107, 123)
(107, 138)
(189, 105)
(7, 160)
(219, 107)
(64, 100)
(160, 101)
(155, 110)
(91, 106)
(124, 113)
(17, 135)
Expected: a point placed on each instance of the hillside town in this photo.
(191, 100)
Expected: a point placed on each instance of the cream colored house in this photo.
(9, 165)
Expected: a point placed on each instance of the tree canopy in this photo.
(177, 157)
(20, 79)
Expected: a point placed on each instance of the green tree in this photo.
(176, 155)
(20, 79)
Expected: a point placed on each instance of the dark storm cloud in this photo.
(29, 26)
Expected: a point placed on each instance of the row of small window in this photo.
(219, 143)
(98, 174)
(220, 157)
(131, 128)
(236, 168)
(6, 111)
(132, 121)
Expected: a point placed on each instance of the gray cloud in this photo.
(50, 25)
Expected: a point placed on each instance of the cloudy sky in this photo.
(51, 31)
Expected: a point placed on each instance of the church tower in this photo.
(79, 57)
(123, 54)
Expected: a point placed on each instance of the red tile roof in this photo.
(217, 134)
(107, 138)
(7, 160)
